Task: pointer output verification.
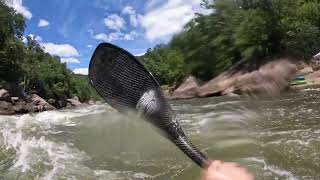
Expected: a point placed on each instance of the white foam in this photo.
(272, 168)
(210, 106)
(121, 175)
(32, 151)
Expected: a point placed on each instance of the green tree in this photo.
(26, 68)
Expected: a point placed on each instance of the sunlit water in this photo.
(276, 138)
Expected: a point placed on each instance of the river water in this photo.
(276, 138)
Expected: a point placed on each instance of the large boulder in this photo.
(74, 102)
(315, 64)
(6, 108)
(4, 95)
(188, 89)
(305, 70)
(20, 107)
(40, 103)
(219, 84)
(270, 79)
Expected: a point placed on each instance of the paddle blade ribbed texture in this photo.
(125, 84)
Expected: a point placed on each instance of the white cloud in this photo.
(91, 32)
(43, 23)
(169, 18)
(114, 22)
(131, 36)
(35, 37)
(61, 50)
(83, 71)
(89, 46)
(128, 10)
(152, 3)
(133, 16)
(24, 40)
(70, 60)
(115, 36)
(17, 5)
(140, 54)
(103, 37)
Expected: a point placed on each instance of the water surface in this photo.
(277, 138)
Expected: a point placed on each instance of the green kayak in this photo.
(298, 82)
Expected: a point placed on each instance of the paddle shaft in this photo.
(181, 140)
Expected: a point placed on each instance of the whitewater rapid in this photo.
(274, 138)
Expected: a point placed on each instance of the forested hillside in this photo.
(27, 69)
(253, 31)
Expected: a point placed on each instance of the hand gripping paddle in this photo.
(126, 84)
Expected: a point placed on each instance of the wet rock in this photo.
(6, 108)
(228, 91)
(305, 70)
(69, 106)
(219, 84)
(98, 102)
(20, 107)
(31, 107)
(315, 65)
(188, 89)
(41, 104)
(74, 102)
(4, 95)
(91, 102)
(14, 99)
(52, 101)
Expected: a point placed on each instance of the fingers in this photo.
(219, 170)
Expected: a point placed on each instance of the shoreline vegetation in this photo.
(253, 47)
(30, 79)
(243, 47)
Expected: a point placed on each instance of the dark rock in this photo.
(6, 108)
(52, 101)
(61, 103)
(188, 89)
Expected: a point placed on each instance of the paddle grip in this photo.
(180, 139)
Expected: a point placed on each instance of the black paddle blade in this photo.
(127, 85)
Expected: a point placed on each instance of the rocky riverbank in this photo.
(271, 79)
(13, 105)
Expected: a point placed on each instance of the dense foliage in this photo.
(248, 30)
(166, 64)
(26, 68)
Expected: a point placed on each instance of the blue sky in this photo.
(72, 29)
